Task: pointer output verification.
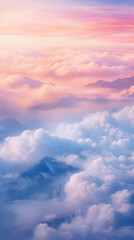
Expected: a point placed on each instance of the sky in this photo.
(66, 119)
(62, 46)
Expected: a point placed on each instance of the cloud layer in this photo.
(50, 51)
(70, 177)
(94, 201)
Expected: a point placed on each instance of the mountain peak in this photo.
(48, 166)
(123, 83)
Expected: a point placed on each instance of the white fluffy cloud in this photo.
(96, 201)
(97, 218)
(125, 115)
(102, 131)
(120, 200)
(95, 198)
(28, 146)
(31, 146)
(97, 132)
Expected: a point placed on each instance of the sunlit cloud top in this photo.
(59, 47)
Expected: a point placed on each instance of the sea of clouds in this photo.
(95, 201)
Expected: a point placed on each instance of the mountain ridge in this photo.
(121, 83)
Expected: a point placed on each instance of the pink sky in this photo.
(65, 46)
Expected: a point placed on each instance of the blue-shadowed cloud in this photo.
(83, 190)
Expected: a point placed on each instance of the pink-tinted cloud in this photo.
(49, 52)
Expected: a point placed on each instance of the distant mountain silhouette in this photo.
(44, 177)
(123, 83)
(10, 127)
(32, 83)
(48, 167)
